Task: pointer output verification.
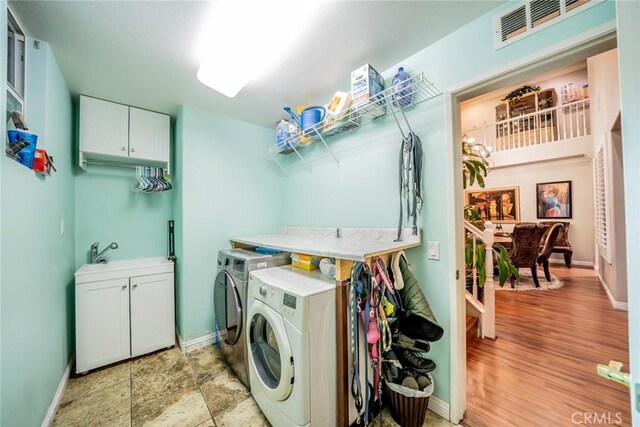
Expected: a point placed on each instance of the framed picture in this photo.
(498, 205)
(553, 200)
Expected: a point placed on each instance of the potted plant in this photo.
(474, 162)
(474, 169)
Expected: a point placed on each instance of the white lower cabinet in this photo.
(152, 308)
(120, 318)
(102, 323)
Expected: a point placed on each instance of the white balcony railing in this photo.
(481, 302)
(563, 122)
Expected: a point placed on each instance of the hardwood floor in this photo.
(542, 368)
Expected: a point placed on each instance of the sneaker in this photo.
(390, 366)
(413, 361)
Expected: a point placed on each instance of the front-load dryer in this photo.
(291, 340)
(230, 297)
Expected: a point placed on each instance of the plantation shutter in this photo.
(601, 199)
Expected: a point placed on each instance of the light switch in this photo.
(62, 227)
(433, 249)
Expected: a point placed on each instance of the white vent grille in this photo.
(601, 199)
(513, 23)
(532, 15)
(543, 11)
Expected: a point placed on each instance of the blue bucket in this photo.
(27, 154)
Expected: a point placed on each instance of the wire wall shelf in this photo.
(413, 92)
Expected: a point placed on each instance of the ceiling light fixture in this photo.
(246, 39)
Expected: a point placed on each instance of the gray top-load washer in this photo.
(230, 299)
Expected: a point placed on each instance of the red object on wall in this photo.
(40, 161)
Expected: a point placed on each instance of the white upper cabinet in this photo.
(104, 127)
(116, 132)
(148, 135)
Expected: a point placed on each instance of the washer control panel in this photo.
(286, 304)
(289, 300)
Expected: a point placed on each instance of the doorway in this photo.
(523, 71)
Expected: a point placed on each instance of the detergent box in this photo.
(366, 83)
(305, 262)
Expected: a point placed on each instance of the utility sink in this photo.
(124, 268)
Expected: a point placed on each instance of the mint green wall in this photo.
(3, 129)
(629, 63)
(108, 211)
(37, 262)
(226, 187)
(177, 216)
(362, 191)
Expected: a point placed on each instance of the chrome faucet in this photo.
(96, 258)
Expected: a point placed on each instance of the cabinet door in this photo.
(104, 127)
(102, 323)
(152, 313)
(148, 135)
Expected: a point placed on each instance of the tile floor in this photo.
(168, 388)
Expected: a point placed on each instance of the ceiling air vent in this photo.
(530, 16)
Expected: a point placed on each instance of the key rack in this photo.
(376, 107)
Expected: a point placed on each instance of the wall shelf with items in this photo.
(391, 101)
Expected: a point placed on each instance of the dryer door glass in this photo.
(228, 307)
(265, 351)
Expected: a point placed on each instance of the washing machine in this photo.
(229, 298)
(291, 341)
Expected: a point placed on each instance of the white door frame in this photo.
(568, 51)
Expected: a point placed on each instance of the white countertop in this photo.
(123, 268)
(356, 245)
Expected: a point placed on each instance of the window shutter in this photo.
(602, 214)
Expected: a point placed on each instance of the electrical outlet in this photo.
(62, 227)
(433, 250)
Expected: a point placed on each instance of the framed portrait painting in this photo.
(498, 205)
(553, 200)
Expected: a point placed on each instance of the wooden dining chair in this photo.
(562, 245)
(526, 239)
(549, 240)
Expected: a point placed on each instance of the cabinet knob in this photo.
(135, 286)
(133, 149)
(124, 287)
(123, 148)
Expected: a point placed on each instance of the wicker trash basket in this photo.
(409, 407)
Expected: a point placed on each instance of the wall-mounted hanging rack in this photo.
(86, 162)
(415, 90)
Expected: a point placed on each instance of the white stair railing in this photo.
(481, 299)
(564, 122)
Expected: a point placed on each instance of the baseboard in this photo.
(576, 263)
(196, 343)
(436, 404)
(53, 408)
(439, 406)
(616, 304)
